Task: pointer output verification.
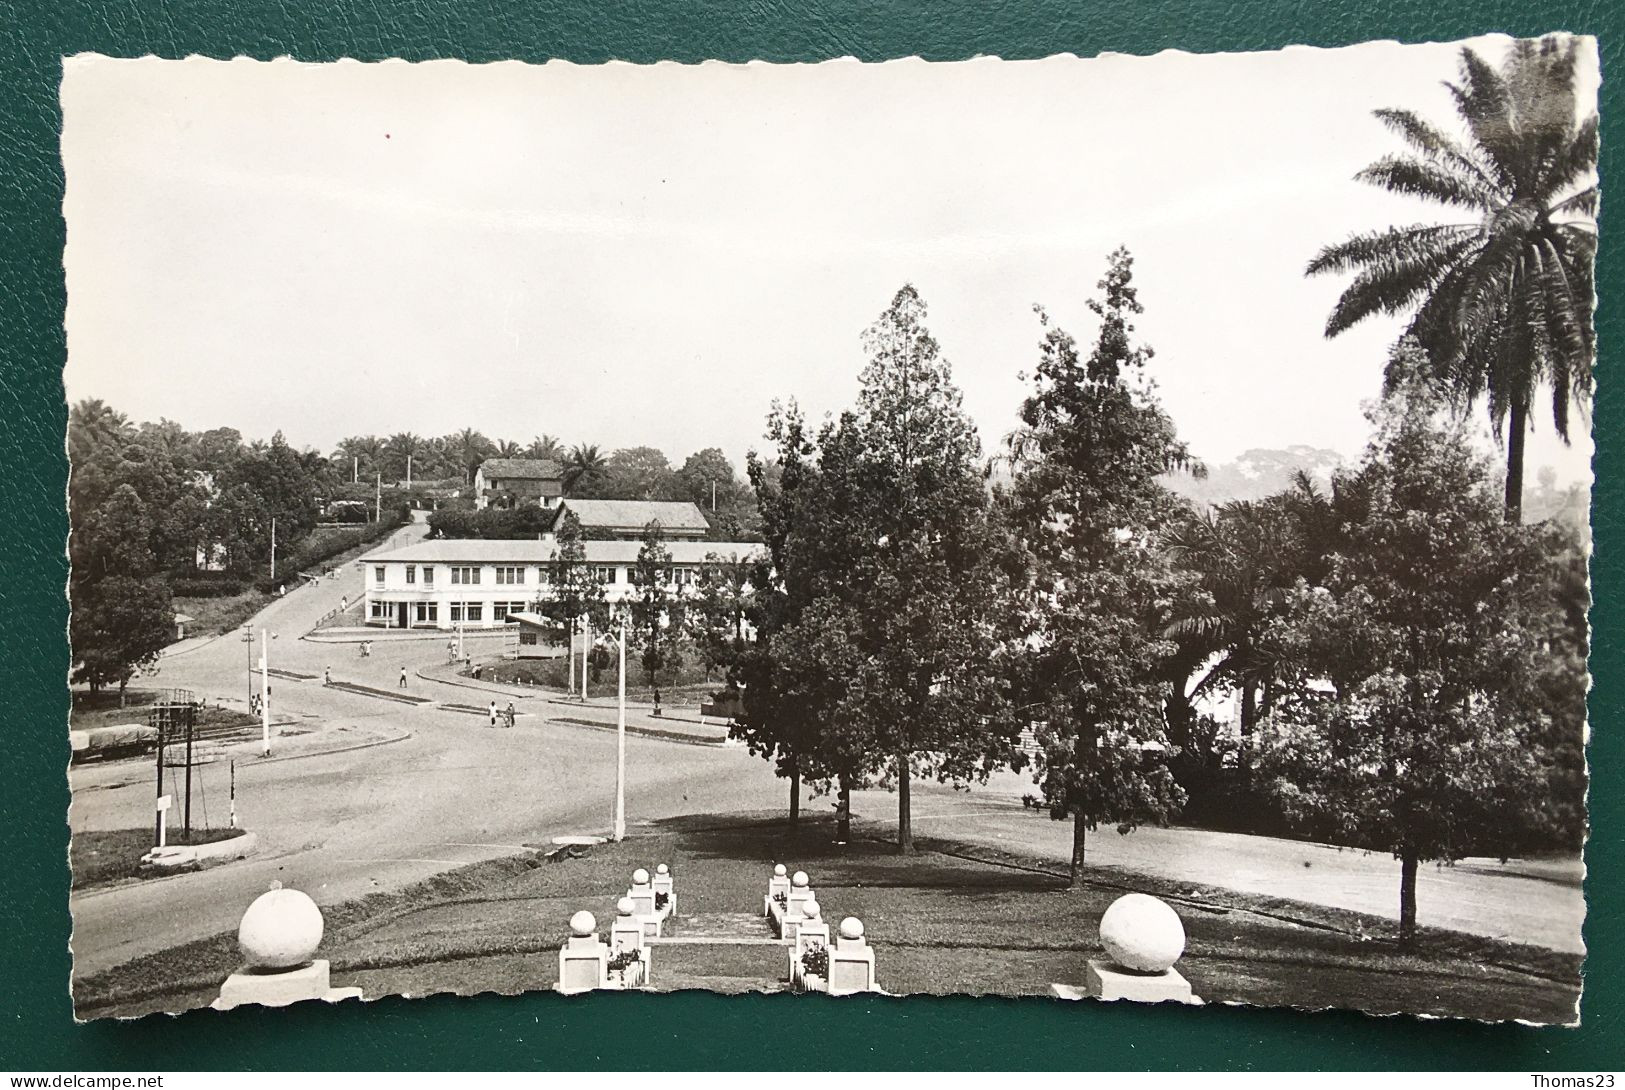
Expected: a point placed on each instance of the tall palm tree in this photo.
(404, 448)
(506, 448)
(546, 447)
(469, 448)
(1500, 298)
(584, 465)
(1244, 556)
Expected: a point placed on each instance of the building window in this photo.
(466, 576)
(499, 611)
(473, 611)
(378, 575)
(411, 573)
(380, 609)
(427, 613)
(544, 575)
(604, 574)
(508, 577)
(428, 575)
(456, 611)
(527, 637)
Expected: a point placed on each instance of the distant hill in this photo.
(1257, 473)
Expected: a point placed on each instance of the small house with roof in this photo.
(512, 482)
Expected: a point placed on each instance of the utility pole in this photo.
(713, 497)
(620, 746)
(355, 469)
(273, 548)
(378, 496)
(248, 641)
(570, 653)
(265, 697)
(408, 471)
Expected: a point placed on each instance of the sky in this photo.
(628, 255)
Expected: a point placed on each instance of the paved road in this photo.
(1536, 902)
(455, 791)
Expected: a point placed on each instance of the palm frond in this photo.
(1413, 177)
(1358, 251)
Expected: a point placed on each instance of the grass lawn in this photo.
(688, 686)
(211, 616)
(108, 855)
(940, 922)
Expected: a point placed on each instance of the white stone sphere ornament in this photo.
(1142, 934)
(625, 906)
(778, 870)
(851, 928)
(799, 879)
(662, 870)
(640, 877)
(810, 910)
(280, 930)
(583, 924)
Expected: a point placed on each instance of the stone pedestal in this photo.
(583, 960)
(852, 961)
(665, 891)
(778, 885)
(583, 965)
(810, 933)
(626, 934)
(279, 987)
(1108, 981)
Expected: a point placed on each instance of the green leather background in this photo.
(691, 1030)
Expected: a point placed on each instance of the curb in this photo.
(205, 855)
(484, 686)
(659, 735)
(401, 737)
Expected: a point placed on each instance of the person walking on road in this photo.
(402, 684)
(327, 675)
(508, 715)
(493, 713)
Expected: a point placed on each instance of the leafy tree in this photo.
(572, 591)
(637, 473)
(719, 612)
(1088, 457)
(1501, 299)
(1415, 721)
(776, 724)
(506, 448)
(652, 610)
(893, 537)
(119, 625)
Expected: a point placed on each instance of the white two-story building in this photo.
(478, 583)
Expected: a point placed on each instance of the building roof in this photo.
(528, 469)
(636, 514)
(497, 551)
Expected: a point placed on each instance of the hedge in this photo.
(300, 560)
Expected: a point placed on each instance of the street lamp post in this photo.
(265, 696)
(248, 641)
(620, 740)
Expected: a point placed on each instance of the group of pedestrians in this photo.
(506, 715)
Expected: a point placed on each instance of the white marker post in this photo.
(620, 746)
(265, 697)
(570, 653)
(586, 649)
(163, 818)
